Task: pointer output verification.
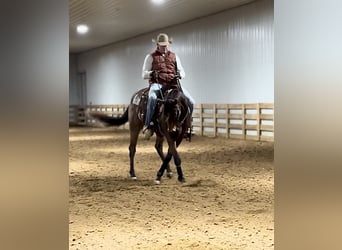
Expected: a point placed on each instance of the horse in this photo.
(172, 122)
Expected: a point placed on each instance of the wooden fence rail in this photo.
(237, 121)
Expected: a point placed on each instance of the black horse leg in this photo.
(159, 148)
(163, 167)
(132, 150)
(177, 161)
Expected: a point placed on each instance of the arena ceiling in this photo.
(110, 21)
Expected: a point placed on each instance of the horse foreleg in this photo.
(163, 167)
(177, 159)
(159, 147)
(179, 168)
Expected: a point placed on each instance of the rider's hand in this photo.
(153, 74)
(178, 76)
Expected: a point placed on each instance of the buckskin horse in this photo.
(172, 122)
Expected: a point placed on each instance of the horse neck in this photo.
(170, 108)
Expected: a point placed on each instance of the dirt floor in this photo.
(226, 203)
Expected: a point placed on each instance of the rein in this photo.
(160, 89)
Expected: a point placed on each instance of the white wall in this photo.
(228, 58)
(74, 91)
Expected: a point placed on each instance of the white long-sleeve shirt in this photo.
(146, 70)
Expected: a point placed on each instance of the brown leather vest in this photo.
(166, 67)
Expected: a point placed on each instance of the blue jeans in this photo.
(155, 89)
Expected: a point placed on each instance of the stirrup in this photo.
(149, 126)
(148, 132)
(146, 128)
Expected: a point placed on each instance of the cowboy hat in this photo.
(162, 39)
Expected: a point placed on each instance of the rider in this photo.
(161, 67)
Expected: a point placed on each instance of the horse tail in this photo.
(109, 120)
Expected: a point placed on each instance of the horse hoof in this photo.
(134, 178)
(181, 180)
(157, 182)
(169, 174)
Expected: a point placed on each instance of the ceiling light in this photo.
(82, 29)
(157, 1)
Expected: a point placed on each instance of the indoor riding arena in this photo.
(227, 199)
(226, 202)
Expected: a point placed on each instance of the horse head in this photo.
(174, 114)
